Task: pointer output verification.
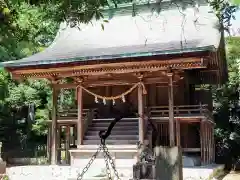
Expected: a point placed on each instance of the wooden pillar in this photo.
(140, 112)
(171, 110)
(204, 142)
(54, 126)
(212, 144)
(49, 144)
(80, 124)
(67, 143)
(178, 133)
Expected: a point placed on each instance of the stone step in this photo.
(94, 132)
(111, 119)
(112, 137)
(111, 142)
(115, 128)
(119, 123)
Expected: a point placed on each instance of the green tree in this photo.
(227, 108)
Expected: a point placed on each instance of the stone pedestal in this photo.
(166, 166)
(3, 166)
(2, 163)
(144, 171)
(168, 163)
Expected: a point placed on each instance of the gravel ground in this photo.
(232, 176)
(94, 173)
(53, 173)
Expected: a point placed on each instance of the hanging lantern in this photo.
(123, 99)
(104, 101)
(114, 102)
(96, 99)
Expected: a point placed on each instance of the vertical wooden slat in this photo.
(67, 143)
(75, 135)
(213, 145)
(54, 126)
(49, 144)
(59, 141)
(201, 141)
(211, 142)
(140, 112)
(207, 141)
(204, 142)
(171, 113)
(80, 124)
(178, 133)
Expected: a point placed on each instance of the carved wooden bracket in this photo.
(54, 80)
(80, 79)
(140, 75)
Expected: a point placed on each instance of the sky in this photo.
(236, 25)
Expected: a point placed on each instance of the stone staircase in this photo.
(125, 132)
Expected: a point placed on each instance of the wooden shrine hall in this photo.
(149, 64)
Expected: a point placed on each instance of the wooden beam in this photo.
(112, 68)
(171, 111)
(97, 83)
(80, 124)
(111, 65)
(54, 126)
(140, 112)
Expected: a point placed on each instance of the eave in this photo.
(112, 68)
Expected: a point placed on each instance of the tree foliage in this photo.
(227, 108)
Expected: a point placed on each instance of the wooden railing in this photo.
(155, 111)
(185, 110)
(73, 113)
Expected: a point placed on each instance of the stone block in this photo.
(3, 166)
(144, 171)
(168, 163)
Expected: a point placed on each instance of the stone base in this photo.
(168, 163)
(3, 166)
(144, 171)
(124, 157)
(191, 161)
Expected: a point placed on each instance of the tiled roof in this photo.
(146, 34)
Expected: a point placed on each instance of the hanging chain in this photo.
(107, 158)
(85, 169)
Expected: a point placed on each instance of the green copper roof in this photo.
(148, 33)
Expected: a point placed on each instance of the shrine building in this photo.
(155, 65)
